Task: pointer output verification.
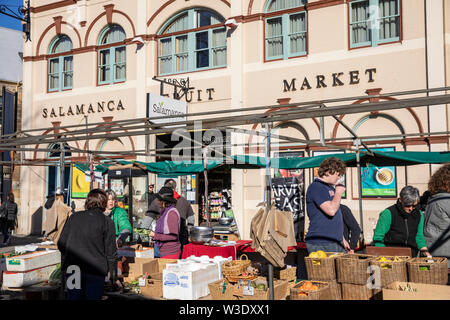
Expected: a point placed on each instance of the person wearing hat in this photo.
(166, 234)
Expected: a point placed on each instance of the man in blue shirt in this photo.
(323, 199)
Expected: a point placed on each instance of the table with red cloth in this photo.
(241, 246)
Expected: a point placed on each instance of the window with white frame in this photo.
(373, 22)
(285, 31)
(184, 48)
(112, 60)
(60, 65)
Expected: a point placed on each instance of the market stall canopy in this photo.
(387, 158)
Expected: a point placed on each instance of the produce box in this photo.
(428, 270)
(162, 263)
(353, 268)
(356, 292)
(218, 292)
(140, 267)
(12, 279)
(260, 290)
(321, 266)
(415, 291)
(153, 287)
(392, 268)
(188, 282)
(310, 290)
(34, 260)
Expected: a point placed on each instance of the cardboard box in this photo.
(153, 287)
(423, 291)
(139, 268)
(162, 263)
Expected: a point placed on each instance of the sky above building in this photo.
(8, 22)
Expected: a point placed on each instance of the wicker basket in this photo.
(391, 271)
(356, 292)
(240, 277)
(422, 270)
(335, 290)
(322, 268)
(236, 267)
(279, 286)
(322, 294)
(352, 268)
(217, 292)
(288, 274)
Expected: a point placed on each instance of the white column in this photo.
(235, 45)
(141, 65)
(436, 66)
(25, 210)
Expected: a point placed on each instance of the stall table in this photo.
(241, 246)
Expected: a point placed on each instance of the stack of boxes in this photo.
(31, 268)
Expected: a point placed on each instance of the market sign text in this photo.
(336, 80)
(82, 109)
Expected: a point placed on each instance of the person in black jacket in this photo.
(88, 249)
(9, 213)
(352, 231)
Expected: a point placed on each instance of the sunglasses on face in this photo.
(410, 205)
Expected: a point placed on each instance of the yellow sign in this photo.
(80, 188)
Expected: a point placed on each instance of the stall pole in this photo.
(61, 167)
(358, 165)
(268, 203)
(205, 173)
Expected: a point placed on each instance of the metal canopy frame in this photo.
(278, 113)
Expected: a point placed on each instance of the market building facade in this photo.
(94, 61)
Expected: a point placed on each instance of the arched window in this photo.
(184, 48)
(112, 60)
(60, 68)
(285, 29)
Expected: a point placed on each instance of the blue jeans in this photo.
(325, 246)
(156, 252)
(91, 288)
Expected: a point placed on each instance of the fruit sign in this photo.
(379, 181)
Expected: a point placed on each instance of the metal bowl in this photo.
(200, 235)
(226, 221)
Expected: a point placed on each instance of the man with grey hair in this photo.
(401, 225)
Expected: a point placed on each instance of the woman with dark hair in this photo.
(437, 214)
(8, 210)
(119, 216)
(88, 249)
(167, 231)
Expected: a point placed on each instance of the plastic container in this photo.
(34, 260)
(189, 281)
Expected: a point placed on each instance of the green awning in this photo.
(387, 158)
(391, 158)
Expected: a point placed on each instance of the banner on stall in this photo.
(288, 196)
(80, 187)
(379, 181)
